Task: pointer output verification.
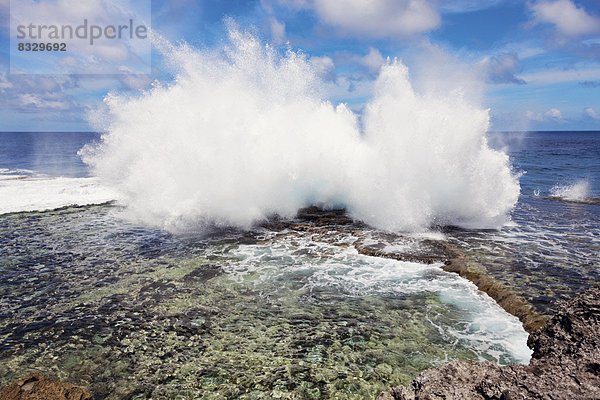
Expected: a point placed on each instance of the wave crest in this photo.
(244, 132)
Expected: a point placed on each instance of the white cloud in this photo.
(135, 81)
(324, 66)
(349, 90)
(373, 60)
(35, 93)
(277, 30)
(463, 6)
(4, 83)
(553, 113)
(40, 103)
(502, 68)
(372, 18)
(530, 52)
(568, 19)
(590, 112)
(560, 75)
(534, 116)
(294, 4)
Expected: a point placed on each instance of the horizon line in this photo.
(495, 131)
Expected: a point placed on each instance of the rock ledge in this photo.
(41, 387)
(565, 364)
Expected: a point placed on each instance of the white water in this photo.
(245, 132)
(485, 327)
(23, 192)
(578, 191)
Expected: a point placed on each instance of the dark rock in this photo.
(585, 200)
(41, 387)
(324, 217)
(565, 364)
(203, 273)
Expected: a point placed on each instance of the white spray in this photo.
(578, 191)
(244, 133)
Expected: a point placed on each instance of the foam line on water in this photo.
(24, 193)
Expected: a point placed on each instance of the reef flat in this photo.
(290, 309)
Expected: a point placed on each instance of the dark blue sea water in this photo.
(552, 158)
(48, 153)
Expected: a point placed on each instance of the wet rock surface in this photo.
(565, 364)
(41, 387)
(458, 263)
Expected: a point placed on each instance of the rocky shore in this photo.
(41, 387)
(565, 364)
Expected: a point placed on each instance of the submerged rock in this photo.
(565, 364)
(458, 263)
(41, 387)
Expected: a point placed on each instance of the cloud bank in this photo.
(374, 18)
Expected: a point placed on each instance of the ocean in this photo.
(98, 296)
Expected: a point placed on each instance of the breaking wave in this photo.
(578, 191)
(245, 132)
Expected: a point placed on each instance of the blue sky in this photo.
(538, 61)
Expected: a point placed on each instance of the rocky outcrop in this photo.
(41, 387)
(565, 364)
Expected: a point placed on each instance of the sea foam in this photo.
(578, 191)
(245, 131)
(20, 193)
(484, 327)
